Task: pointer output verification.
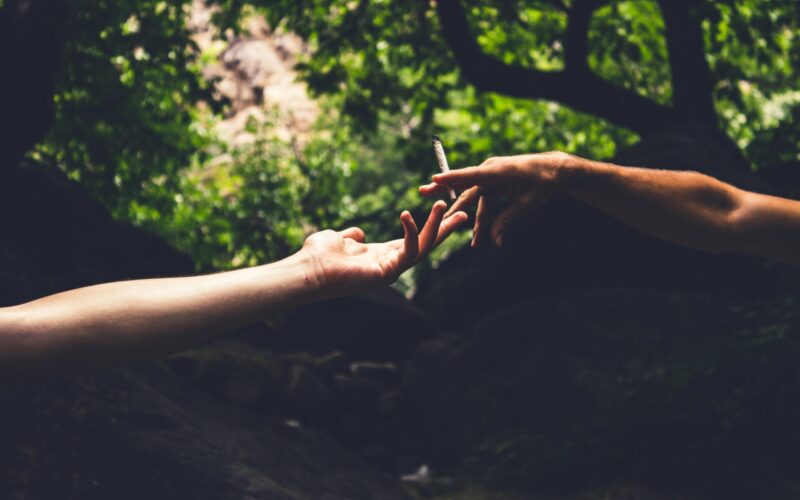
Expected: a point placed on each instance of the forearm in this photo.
(684, 207)
(688, 208)
(115, 323)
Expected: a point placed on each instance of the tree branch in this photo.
(30, 43)
(581, 90)
(692, 82)
(576, 40)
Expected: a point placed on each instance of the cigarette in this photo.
(442, 160)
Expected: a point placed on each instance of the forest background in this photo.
(138, 103)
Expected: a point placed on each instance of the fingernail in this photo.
(499, 239)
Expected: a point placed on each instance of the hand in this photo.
(504, 188)
(344, 264)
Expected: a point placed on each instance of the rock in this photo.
(392, 403)
(385, 373)
(355, 428)
(256, 76)
(236, 373)
(333, 363)
(380, 325)
(686, 392)
(373, 452)
(407, 466)
(356, 393)
(421, 476)
(399, 434)
(242, 391)
(307, 393)
(145, 433)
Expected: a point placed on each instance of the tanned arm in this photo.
(688, 208)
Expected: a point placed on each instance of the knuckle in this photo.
(559, 155)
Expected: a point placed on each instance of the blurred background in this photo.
(234, 129)
(583, 360)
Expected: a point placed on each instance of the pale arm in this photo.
(117, 323)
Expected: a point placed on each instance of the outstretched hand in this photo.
(345, 263)
(504, 188)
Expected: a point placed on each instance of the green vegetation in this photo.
(134, 115)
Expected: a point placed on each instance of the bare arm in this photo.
(115, 323)
(683, 207)
(689, 208)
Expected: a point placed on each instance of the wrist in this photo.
(311, 272)
(570, 171)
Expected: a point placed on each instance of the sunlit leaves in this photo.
(753, 53)
(627, 46)
(528, 34)
(125, 102)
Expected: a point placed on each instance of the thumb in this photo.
(354, 233)
(526, 202)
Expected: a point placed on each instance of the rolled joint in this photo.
(441, 159)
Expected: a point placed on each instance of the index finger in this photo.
(468, 176)
(433, 189)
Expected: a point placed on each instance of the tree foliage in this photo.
(126, 95)
(490, 77)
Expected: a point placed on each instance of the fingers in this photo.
(466, 197)
(354, 233)
(410, 238)
(504, 218)
(433, 189)
(427, 237)
(468, 176)
(450, 224)
(481, 222)
(463, 200)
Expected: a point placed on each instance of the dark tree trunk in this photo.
(692, 82)
(577, 86)
(30, 43)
